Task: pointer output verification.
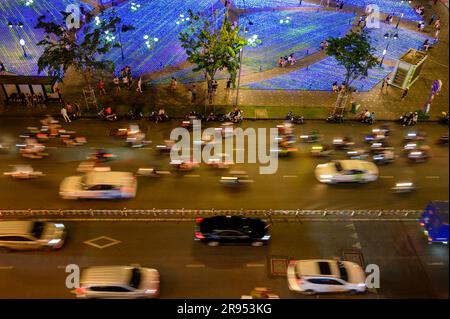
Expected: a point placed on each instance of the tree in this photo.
(355, 53)
(211, 49)
(64, 48)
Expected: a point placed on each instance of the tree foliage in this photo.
(82, 49)
(355, 53)
(211, 49)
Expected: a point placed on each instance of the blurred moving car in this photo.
(232, 230)
(322, 276)
(101, 185)
(118, 282)
(345, 171)
(31, 235)
(434, 221)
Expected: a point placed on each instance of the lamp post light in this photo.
(402, 14)
(22, 44)
(389, 36)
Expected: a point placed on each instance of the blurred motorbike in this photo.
(403, 187)
(184, 165)
(357, 153)
(23, 172)
(415, 136)
(321, 150)
(312, 137)
(290, 117)
(101, 155)
(443, 140)
(342, 143)
(235, 178)
(151, 172)
(385, 156)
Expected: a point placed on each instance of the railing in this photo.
(193, 213)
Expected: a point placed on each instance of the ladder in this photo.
(89, 98)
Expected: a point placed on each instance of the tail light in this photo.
(80, 291)
(199, 220)
(199, 235)
(422, 224)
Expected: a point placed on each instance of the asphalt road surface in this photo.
(409, 267)
(292, 187)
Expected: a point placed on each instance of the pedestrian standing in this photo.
(77, 108)
(139, 86)
(228, 84)
(436, 35)
(64, 114)
(341, 5)
(116, 82)
(433, 16)
(2, 67)
(189, 96)
(101, 87)
(385, 84)
(405, 93)
(125, 81)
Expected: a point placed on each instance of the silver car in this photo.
(118, 282)
(31, 235)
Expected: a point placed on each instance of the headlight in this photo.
(266, 237)
(361, 285)
(54, 241)
(326, 176)
(59, 225)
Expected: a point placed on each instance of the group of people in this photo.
(123, 78)
(69, 111)
(286, 60)
(339, 5)
(29, 99)
(389, 19)
(409, 119)
(324, 45)
(339, 88)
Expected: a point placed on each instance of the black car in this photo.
(231, 230)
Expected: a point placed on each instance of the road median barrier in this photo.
(190, 214)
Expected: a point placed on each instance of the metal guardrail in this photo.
(192, 213)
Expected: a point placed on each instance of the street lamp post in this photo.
(241, 55)
(402, 14)
(22, 44)
(389, 35)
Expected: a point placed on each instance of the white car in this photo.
(118, 282)
(345, 171)
(102, 185)
(321, 276)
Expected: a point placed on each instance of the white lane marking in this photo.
(238, 149)
(61, 266)
(144, 148)
(436, 264)
(190, 175)
(290, 176)
(388, 176)
(255, 265)
(195, 265)
(6, 267)
(432, 177)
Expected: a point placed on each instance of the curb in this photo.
(94, 117)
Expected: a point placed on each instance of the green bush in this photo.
(422, 115)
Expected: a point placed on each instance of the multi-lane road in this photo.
(410, 268)
(292, 187)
